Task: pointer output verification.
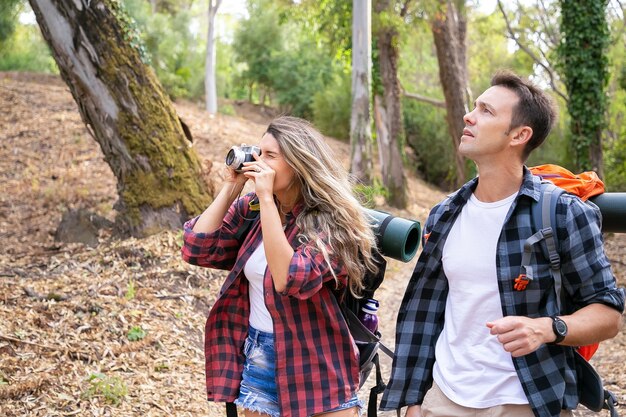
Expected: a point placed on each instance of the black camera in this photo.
(237, 155)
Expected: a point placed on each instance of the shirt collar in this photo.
(531, 187)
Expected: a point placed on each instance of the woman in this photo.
(275, 340)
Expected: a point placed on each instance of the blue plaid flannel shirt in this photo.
(547, 375)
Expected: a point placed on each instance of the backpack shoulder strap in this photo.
(248, 221)
(360, 333)
(543, 217)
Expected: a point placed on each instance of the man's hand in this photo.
(414, 411)
(522, 335)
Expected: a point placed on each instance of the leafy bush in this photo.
(332, 108)
(298, 75)
(427, 134)
(615, 144)
(176, 52)
(25, 50)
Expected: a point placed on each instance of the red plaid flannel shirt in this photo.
(316, 360)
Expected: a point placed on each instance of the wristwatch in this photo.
(559, 327)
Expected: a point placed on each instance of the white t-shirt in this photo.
(471, 367)
(254, 271)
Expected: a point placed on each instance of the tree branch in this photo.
(620, 31)
(405, 8)
(531, 54)
(424, 99)
(547, 29)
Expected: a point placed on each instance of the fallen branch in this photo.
(23, 388)
(51, 296)
(25, 342)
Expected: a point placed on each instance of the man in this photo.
(467, 341)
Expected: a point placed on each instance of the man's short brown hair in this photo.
(534, 108)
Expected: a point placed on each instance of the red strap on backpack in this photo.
(584, 185)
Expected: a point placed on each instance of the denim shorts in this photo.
(258, 390)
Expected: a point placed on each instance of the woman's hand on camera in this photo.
(262, 175)
(233, 177)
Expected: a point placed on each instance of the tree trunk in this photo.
(585, 74)
(388, 116)
(390, 157)
(360, 130)
(452, 69)
(210, 82)
(159, 179)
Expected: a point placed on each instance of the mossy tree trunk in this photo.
(583, 56)
(96, 48)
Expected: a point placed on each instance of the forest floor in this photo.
(68, 311)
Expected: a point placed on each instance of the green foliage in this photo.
(130, 290)
(297, 75)
(25, 50)
(332, 107)
(176, 53)
(258, 42)
(227, 109)
(488, 50)
(615, 162)
(281, 58)
(556, 148)
(161, 367)
(584, 65)
(614, 140)
(136, 333)
(326, 21)
(112, 389)
(130, 30)
(9, 12)
(427, 134)
(425, 126)
(367, 193)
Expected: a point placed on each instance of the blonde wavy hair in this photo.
(332, 216)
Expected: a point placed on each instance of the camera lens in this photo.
(235, 158)
(230, 157)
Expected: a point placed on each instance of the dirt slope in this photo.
(66, 310)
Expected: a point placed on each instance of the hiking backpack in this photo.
(367, 342)
(556, 181)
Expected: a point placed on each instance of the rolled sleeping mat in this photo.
(613, 209)
(397, 237)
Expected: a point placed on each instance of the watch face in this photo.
(560, 327)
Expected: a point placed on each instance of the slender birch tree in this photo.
(210, 81)
(360, 130)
